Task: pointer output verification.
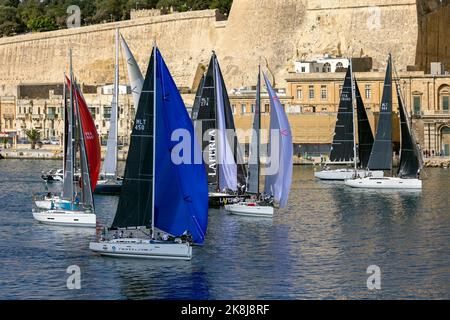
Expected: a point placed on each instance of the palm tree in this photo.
(34, 136)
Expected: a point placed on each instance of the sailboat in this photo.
(169, 199)
(76, 205)
(344, 150)
(277, 185)
(381, 156)
(109, 183)
(222, 153)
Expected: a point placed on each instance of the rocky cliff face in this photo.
(274, 33)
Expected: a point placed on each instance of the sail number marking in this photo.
(140, 124)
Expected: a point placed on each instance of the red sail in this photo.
(91, 139)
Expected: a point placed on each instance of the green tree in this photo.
(224, 6)
(42, 23)
(34, 136)
(9, 23)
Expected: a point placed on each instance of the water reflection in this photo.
(318, 247)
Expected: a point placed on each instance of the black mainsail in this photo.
(198, 99)
(381, 156)
(136, 202)
(254, 156)
(410, 164)
(342, 150)
(365, 135)
(207, 126)
(206, 120)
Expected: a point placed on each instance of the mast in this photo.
(355, 161)
(116, 96)
(71, 130)
(154, 140)
(65, 127)
(214, 60)
(258, 132)
(253, 171)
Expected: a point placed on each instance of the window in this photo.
(326, 67)
(417, 106)
(340, 90)
(445, 103)
(243, 108)
(299, 94)
(92, 111)
(266, 108)
(233, 108)
(39, 110)
(107, 113)
(324, 93)
(253, 108)
(303, 69)
(339, 66)
(368, 91)
(311, 92)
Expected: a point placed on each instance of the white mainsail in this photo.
(134, 73)
(110, 163)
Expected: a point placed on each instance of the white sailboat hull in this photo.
(385, 183)
(250, 211)
(346, 174)
(144, 249)
(66, 218)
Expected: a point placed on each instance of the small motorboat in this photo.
(54, 175)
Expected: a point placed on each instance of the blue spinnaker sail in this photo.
(278, 185)
(181, 190)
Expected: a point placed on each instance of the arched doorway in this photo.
(445, 141)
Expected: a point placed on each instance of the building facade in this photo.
(310, 100)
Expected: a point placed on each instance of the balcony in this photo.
(51, 116)
(36, 117)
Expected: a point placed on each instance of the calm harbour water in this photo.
(317, 248)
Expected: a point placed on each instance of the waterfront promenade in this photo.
(51, 152)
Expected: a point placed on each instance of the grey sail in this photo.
(136, 199)
(365, 135)
(198, 98)
(110, 162)
(134, 73)
(85, 180)
(342, 150)
(381, 155)
(229, 120)
(254, 155)
(68, 187)
(410, 164)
